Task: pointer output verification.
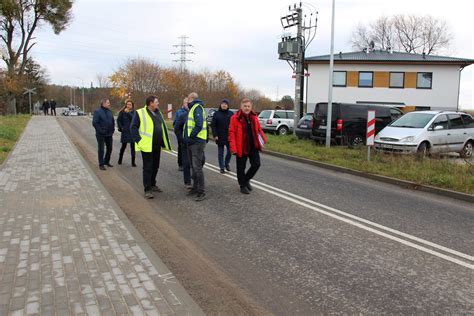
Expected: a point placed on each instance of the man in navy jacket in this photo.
(104, 124)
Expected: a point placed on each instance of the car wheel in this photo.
(423, 150)
(357, 141)
(283, 130)
(466, 152)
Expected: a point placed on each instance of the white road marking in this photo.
(355, 220)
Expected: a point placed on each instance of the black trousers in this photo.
(242, 176)
(101, 141)
(151, 164)
(53, 110)
(132, 149)
(180, 153)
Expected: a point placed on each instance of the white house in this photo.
(408, 81)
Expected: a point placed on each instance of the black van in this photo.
(349, 121)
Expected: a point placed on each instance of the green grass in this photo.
(10, 129)
(439, 172)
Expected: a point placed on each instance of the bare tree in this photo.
(19, 19)
(409, 33)
(103, 81)
(380, 32)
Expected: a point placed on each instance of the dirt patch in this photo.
(205, 282)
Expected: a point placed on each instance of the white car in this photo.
(426, 132)
(277, 121)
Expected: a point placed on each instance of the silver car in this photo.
(279, 121)
(427, 132)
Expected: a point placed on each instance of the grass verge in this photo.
(10, 129)
(438, 172)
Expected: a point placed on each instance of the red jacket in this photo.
(236, 133)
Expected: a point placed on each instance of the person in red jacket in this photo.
(246, 140)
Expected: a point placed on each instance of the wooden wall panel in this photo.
(352, 79)
(381, 79)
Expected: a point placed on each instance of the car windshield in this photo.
(413, 120)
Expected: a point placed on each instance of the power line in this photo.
(182, 52)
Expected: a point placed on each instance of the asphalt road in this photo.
(312, 241)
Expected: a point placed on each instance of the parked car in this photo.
(349, 121)
(277, 121)
(73, 113)
(427, 132)
(304, 127)
(210, 113)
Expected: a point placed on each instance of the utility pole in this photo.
(292, 49)
(83, 100)
(182, 52)
(299, 64)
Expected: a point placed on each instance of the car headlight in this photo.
(408, 139)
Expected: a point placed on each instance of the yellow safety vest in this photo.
(203, 133)
(146, 132)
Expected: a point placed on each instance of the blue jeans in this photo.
(183, 149)
(220, 156)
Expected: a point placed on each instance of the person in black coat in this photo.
(124, 120)
(45, 107)
(104, 124)
(220, 128)
(52, 103)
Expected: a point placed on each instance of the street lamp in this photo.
(82, 85)
(331, 72)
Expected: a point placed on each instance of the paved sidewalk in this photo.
(65, 246)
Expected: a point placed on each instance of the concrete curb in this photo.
(401, 183)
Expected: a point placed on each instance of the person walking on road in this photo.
(178, 124)
(220, 128)
(124, 120)
(52, 103)
(104, 124)
(246, 139)
(182, 110)
(150, 134)
(45, 107)
(195, 136)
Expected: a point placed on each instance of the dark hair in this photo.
(150, 99)
(125, 105)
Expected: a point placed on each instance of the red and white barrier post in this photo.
(370, 132)
(170, 111)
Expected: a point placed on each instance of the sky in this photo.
(239, 36)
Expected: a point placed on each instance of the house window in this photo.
(366, 79)
(397, 80)
(339, 79)
(424, 80)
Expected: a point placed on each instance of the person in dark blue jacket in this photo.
(220, 128)
(124, 120)
(181, 111)
(104, 124)
(178, 124)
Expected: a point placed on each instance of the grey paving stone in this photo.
(63, 247)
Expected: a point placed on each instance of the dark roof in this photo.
(378, 56)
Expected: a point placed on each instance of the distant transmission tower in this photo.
(183, 52)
